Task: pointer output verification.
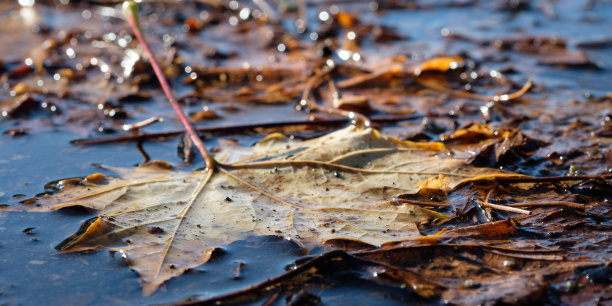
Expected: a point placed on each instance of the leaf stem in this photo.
(130, 9)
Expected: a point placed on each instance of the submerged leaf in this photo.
(336, 187)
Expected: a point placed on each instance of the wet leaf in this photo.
(483, 145)
(335, 187)
(440, 64)
(569, 59)
(18, 106)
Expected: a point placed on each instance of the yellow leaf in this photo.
(441, 64)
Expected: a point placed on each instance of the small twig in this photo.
(490, 192)
(335, 95)
(552, 203)
(468, 95)
(134, 127)
(142, 152)
(504, 208)
(523, 255)
(130, 9)
(486, 201)
(235, 128)
(548, 179)
(238, 273)
(400, 200)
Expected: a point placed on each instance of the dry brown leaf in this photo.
(333, 187)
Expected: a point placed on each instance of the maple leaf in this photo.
(338, 186)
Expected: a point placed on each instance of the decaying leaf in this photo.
(334, 187)
(485, 146)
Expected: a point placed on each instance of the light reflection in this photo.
(70, 52)
(27, 3)
(122, 42)
(324, 16)
(129, 60)
(107, 11)
(110, 37)
(29, 15)
(344, 54)
(300, 25)
(204, 15)
(244, 13)
(445, 32)
(86, 14)
(351, 35)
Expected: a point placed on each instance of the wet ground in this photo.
(70, 70)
